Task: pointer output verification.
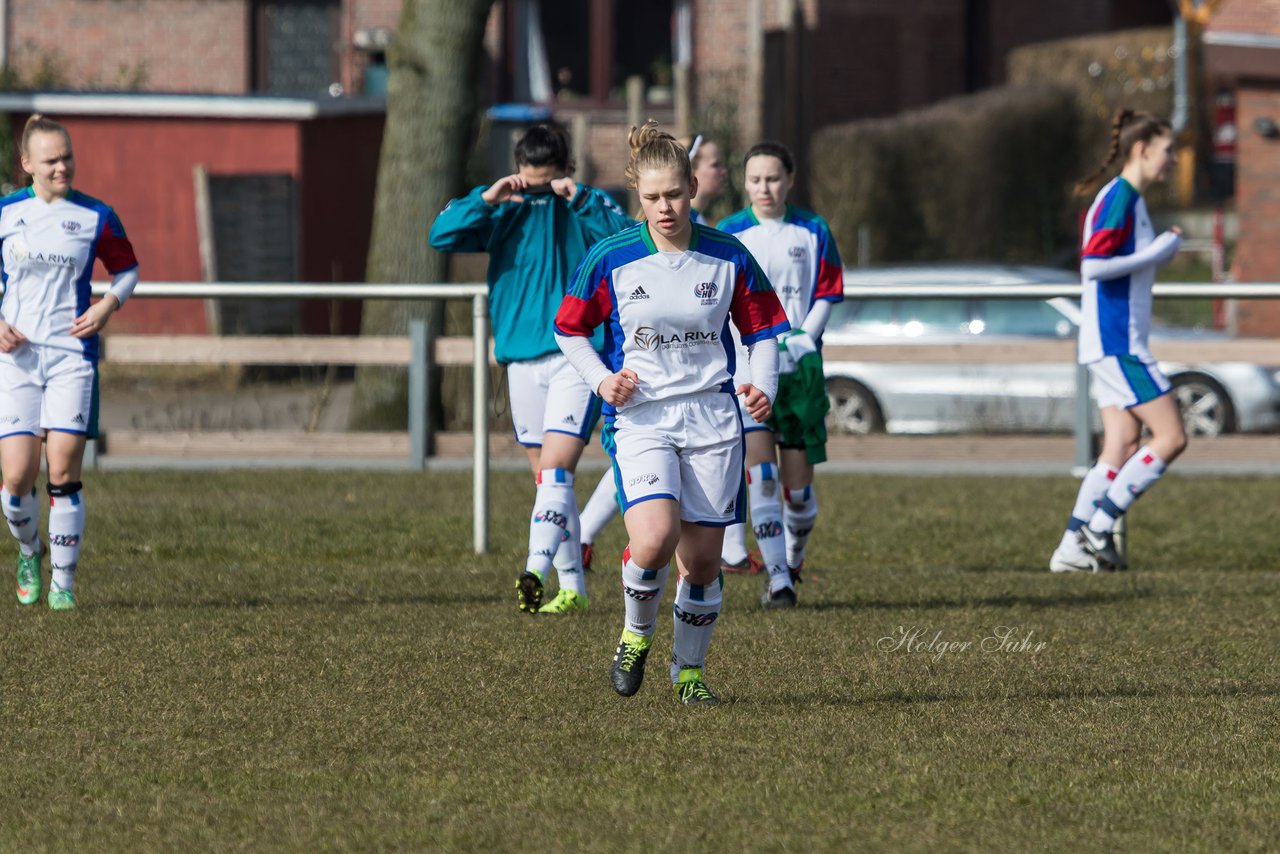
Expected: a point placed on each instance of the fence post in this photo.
(480, 421)
(1083, 421)
(419, 393)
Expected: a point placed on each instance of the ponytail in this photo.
(1127, 130)
(39, 124)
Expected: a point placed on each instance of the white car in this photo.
(870, 396)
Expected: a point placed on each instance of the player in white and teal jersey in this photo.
(536, 226)
(1118, 267)
(50, 236)
(797, 252)
(664, 292)
(711, 174)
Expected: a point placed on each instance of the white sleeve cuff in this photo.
(122, 284)
(762, 358)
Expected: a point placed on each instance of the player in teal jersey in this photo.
(536, 225)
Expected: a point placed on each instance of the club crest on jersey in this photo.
(796, 253)
(646, 338)
(70, 226)
(706, 291)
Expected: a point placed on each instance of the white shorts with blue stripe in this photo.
(548, 396)
(1126, 381)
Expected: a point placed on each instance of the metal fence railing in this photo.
(422, 349)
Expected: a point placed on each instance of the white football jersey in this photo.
(47, 250)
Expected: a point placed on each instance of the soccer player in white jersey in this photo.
(536, 226)
(50, 236)
(1118, 266)
(665, 291)
(798, 254)
(711, 175)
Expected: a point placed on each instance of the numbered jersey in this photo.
(797, 253)
(666, 315)
(48, 250)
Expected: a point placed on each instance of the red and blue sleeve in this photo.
(830, 283)
(588, 302)
(755, 307)
(1111, 231)
(114, 249)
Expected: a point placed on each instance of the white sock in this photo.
(66, 531)
(568, 561)
(600, 508)
(734, 549)
(22, 512)
(1092, 489)
(642, 594)
(766, 521)
(1136, 476)
(554, 506)
(799, 513)
(696, 610)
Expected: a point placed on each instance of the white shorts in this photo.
(549, 396)
(1126, 381)
(688, 449)
(47, 388)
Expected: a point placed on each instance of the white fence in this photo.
(419, 351)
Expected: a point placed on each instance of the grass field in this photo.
(302, 661)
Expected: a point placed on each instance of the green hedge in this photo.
(982, 177)
(1130, 68)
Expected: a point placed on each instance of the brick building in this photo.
(779, 68)
(1242, 54)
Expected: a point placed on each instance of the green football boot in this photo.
(691, 689)
(565, 602)
(28, 587)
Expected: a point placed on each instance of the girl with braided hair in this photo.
(1118, 267)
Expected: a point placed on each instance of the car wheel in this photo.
(1206, 408)
(854, 410)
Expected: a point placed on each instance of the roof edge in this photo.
(190, 106)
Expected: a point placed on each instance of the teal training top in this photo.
(534, 248)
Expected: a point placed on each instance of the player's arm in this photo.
(1113, 223)
(116, 254)
(828, 285)
(598, 213)
(466, 224)
(759, 394)
(587, 305)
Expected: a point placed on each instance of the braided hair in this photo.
(1127, 130)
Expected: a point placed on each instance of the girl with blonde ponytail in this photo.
(1118, 267)
(665, 291)
(50, 236)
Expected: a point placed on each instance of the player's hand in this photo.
(96, 317)
(617, 389)
(756, 402)
(10, 338)
(505, 190)
(1176, 229)
(566, 188)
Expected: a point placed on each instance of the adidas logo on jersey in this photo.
(569, 419)
(79, 419)
(639, 293)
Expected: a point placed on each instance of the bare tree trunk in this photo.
(431, 105)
